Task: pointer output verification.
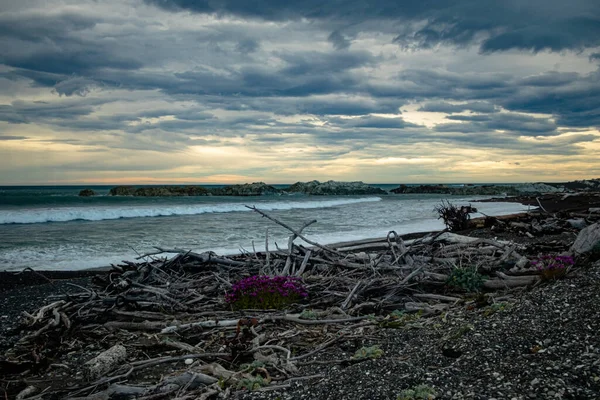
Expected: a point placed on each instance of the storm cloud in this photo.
(311, 85)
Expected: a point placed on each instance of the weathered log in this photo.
(439, 297)
(105, 362)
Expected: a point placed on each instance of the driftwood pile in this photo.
(160, 328)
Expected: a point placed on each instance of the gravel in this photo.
(538, 344)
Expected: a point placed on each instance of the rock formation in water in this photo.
(159, 191)
(87, 193)
(247, 189)
(334, 188)
(466, 190)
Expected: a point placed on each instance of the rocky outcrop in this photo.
(87, 193)
(537, 188)
(159, 191)
(122, 191)
(587, 185)
(467, 190)
(166, 191)
(334, 188)
(247, 189)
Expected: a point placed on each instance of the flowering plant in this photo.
(553, 266)
(266, 292)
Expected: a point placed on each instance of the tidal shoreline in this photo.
(512, 358)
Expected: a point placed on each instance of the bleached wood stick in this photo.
(203, 258)
(439, 297)
(346, 302)
(296, 232)
(304, 263)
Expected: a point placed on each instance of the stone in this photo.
(587, 239)
(577, 223)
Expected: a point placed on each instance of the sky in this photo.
(234, 91)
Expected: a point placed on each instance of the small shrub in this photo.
(398, 319)
(455, 218)
(553, 266)
(266, 292)
(308, 314)
(420, 392)
(367, 352)
(252, 383)
(494, 308)
(465, 278)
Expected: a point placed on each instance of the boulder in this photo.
(334, 188)
(87, 193)
(588, 239)
(247, 189)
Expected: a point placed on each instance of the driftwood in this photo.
(171, 311)
(105, 362)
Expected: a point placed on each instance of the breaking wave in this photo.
(99, 213)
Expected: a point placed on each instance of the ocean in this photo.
(52, 228)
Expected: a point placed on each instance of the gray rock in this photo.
(577, 223)
(587, 239)
(247, 189)
(334, 188)
(537, 188)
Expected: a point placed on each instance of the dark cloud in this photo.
(20, 112)
(569, 33)
(516, 123)
(9, 137)
(534, 25)
(372, 122)
(339, 41)
(247, 46)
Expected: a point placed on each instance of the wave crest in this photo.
(100, 213)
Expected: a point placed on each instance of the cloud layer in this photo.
(234, 91)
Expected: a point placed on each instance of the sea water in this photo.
(52, 228)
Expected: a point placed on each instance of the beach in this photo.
(529, 342)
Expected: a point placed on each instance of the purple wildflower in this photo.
(261, 291)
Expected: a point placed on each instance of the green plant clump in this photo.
(308, 314)
(266, 292)
(465, 278)
(420, 392)
(253, 383)
(367, 352)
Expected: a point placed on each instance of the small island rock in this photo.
(87, 193)
(247, 189)
(334, 188)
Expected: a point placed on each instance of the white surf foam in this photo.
(64, 214)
